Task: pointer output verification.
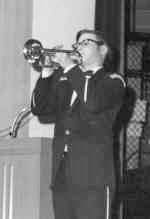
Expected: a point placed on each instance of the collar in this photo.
(95, 69)
(69, 68)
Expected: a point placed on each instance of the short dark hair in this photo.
(99, 35)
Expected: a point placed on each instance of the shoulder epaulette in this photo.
(118, 76)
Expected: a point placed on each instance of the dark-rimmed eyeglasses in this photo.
(85, 43)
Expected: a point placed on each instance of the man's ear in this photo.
(103, 49)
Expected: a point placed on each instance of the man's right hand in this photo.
(47, 67)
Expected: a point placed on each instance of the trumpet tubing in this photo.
(53, 51)
(35, 54)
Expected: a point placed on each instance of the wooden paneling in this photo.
(25, 176)
(15, 28)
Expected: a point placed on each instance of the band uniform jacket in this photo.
(84, 127)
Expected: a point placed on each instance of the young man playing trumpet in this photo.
(82, 100)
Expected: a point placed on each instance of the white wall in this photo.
(56, 22)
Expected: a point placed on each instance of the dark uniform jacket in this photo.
(86, 128)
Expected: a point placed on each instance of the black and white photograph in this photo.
(75, 109)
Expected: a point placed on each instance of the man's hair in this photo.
(97, 33)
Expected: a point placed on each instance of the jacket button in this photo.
(67, 132)
(66, 148)
(57, 155)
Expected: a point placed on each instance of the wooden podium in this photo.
(25, 176)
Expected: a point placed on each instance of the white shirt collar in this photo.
(94, 70)
(69, 68)
(97, 68)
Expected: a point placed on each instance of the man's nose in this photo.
(79, 48)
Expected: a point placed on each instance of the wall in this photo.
(143, 20)
(56, 22)
(143, 16)
(144, 4)
(15, 28)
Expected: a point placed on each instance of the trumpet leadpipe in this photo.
(53, 51)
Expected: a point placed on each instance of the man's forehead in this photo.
(85, 36)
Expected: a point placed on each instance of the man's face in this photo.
(89, 49)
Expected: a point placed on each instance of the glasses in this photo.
(85, 43)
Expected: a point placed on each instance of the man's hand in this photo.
(47, 67)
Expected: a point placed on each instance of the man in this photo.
(82, 100)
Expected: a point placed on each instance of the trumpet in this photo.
(35, 54)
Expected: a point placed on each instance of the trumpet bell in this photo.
(32, 51)
(35, 55)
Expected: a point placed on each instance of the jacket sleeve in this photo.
(43, 102)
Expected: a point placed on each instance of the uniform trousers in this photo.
(73, 202)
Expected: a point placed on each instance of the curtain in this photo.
(109, 19)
